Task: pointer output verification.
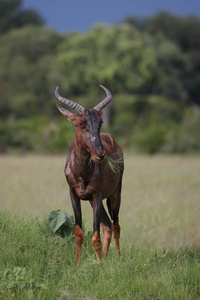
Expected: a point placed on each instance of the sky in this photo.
(80, 15)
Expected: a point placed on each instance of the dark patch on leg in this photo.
(79, 235)
(96, 243)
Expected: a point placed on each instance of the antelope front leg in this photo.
(96, 240)
(79, 235)
(107, 229)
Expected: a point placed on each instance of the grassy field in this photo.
(160, 233)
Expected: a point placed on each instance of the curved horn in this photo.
(104, 102)
(79, 108)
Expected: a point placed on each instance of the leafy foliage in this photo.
(61, 223)
(18, 279)
(177, 48)
(151, 66)
(12, 16)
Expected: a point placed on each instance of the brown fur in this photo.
(93, 179)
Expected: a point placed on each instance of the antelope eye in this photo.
(82, 124)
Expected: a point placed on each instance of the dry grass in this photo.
(160, 199)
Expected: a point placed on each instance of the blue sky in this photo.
(80, 15)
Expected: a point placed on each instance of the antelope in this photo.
(90, 176)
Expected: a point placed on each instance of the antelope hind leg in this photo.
(113, 203)
(107, 231)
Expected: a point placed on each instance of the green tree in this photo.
(12, 15)
(171, 70)
(177, 47)
(118, 57)
(26, 56)
(184, 31)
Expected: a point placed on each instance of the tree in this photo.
(184, 31)
(118, 57)
(177, 47)
(25, 61)
(12, 16)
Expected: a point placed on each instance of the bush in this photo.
(185, 138)
(150, 139)
(36, 134)
(145, 124)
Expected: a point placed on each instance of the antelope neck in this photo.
(82, 160)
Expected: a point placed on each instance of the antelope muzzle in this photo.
(100, 155)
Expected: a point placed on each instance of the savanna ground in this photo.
(160, 233)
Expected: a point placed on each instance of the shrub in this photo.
(185, 138)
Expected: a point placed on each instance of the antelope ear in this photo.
(68, 114)
(101, 112)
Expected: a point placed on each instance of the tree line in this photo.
(151, 66)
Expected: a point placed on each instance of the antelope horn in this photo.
(79, 108)
(104, 102)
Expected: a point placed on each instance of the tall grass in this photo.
(159, 217)
(37, 265)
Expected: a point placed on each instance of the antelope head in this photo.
(88, 124)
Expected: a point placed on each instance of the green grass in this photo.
(35, 264)
(160, 233)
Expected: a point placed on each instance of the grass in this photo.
(160, 240)
(114, 163)
(37, 265)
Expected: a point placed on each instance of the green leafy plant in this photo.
(61, 223)
(19, 278)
